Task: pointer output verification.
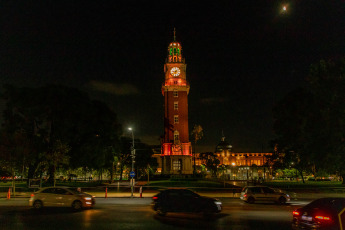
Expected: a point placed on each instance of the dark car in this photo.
(319, 214)
(184, 200)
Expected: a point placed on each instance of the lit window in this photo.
(177, 165)
(176, 119)
(175, 105)
(175, 93)
(176, 135)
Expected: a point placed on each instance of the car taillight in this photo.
(322, 217)
(295, 213)
(155, 197)
(32, 195)
(245, 195)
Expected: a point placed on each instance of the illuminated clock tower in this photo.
(176, 148)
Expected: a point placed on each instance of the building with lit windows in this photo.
(239, 166)
(176, 149)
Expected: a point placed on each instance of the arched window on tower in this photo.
(176, 135)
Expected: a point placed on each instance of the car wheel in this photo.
(77, 205)
(282, 200)
(251, 200)
(161, 211)
(37, 204)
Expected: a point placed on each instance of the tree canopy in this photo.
(57, 123)
(310, 121)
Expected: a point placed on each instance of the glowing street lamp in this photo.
(133, 156)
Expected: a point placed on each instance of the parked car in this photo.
(252, 194)
(184, 200)
(61, 197)
(319, 214)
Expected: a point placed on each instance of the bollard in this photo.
(106, 192)
(141, 191)
(9, 194)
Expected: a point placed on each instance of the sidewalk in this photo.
(151, 193)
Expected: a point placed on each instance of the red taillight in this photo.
(32, 194)
(295, 213)
(155, 197)
(245, 195)
(322, 218)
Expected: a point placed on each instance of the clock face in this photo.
(175, 71)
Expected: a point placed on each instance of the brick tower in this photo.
(176, 148)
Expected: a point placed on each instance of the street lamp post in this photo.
(133, 157)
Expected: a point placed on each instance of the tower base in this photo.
(177, 165)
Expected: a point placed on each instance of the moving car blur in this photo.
(61, 197)
(252, 194)
(184, 200)
(322, 213)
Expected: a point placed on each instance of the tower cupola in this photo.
(175, 51)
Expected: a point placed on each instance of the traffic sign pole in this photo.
(132, 175)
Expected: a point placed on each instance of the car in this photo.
(185, 200)
(252, 194)
(319, 214)
(61, 197)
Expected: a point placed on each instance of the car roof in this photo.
(261, 186)
(337, 203)
(175, 189)
(329, 199)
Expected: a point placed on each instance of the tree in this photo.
(310, 121)
(57, 157)
(56, 114)
(197, 134)
(144, 161)
(212, 162)
(143, 156)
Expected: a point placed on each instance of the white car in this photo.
(252, 194)
(61, 197)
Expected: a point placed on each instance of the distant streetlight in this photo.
(284, 8)
(133, 156)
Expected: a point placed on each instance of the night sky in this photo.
(242, 56)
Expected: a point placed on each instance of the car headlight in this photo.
(218, 203)
(87, 198)
(287, 195)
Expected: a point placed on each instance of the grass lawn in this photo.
(307, 184)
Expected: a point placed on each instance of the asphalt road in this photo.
(136, 213)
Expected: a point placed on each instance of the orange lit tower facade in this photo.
(176, 149)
